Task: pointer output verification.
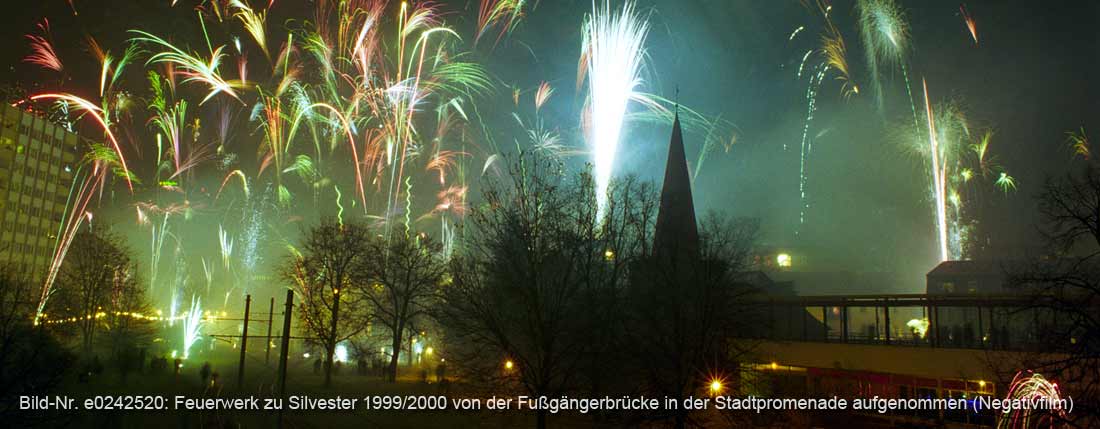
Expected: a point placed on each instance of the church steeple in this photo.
(676, 234)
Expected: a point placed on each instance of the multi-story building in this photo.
(37, 163)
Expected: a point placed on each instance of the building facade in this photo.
(969, 277)
(37, 162)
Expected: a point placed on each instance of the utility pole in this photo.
(284, 351)
(270, 318)
(244, 341)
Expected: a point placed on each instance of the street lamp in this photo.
(783, 260)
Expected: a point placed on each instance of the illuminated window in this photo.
(783, 260)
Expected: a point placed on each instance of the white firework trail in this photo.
(807, 143)
(613, 51)
(939, 178)
(192, 325)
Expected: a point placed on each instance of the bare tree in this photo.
(1067, 289)
(322, 273)
(32, 362)
(399, 277)
(96, 269)
(535, 286)
(125, 326)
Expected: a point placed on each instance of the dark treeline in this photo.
(545, 294)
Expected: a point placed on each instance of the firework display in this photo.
(612, 60)
(334, 103)
(375, 109)
(886, 42)
(368, 109)
(240, 151)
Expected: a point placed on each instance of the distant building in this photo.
(967, 277)
(37, 162)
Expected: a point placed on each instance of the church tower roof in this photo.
(676, 234)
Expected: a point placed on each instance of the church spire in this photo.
(676, 233)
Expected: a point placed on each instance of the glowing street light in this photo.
(783, 260)
(508, 364)
(715, 386)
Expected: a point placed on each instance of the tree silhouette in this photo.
(322, 273)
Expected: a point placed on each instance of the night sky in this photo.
(1027, 80)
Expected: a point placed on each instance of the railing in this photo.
(994, 322)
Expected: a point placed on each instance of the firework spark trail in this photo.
(78, 202)
(158, 235)
(42, 52)
(238, 174)
(938, 177)
(207, 274)
(346, 126)
(421, 17)
(613, 51)
(955, 157)
(339, 206)
(408, 205)
(96, 113)
(194, 68)
(393, 84)
(192, 325)
(503, 13)
(80, 194)
(172, 122)
(251, 237)
(225, 249)
(1079, 143)
(970, 24)
(111, 67)
(225, 243)
(1029, 386)
(542, 95)
(253, 23)
(795, 33)
(807, 144)
(834, 52)
(179, 281)
(415, 83)
(710, 144)
(802, 64)
(157, 244)
(1006, 182)
(836, 57)
(909, 92)
(269, 108)
(885, 35)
